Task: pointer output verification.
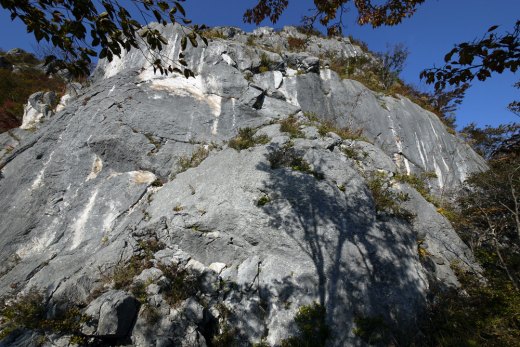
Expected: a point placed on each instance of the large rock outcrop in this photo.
(133, 186)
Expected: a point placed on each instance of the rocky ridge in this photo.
(132, 204)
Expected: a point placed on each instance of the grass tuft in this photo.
(246, 138)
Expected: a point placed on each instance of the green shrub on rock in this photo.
(372, 330)
(387, 200)
(28, 311)
(313, 330)
(246, 138)
(290, 125)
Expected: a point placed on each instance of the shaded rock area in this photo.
(133, 205)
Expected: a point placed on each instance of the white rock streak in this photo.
(438, 172)
(39, 243)
(39, 179)
(189, 87)
(81, 221)
(97, 166)
(418, 144)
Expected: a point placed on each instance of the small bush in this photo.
(196, 158)
(251, 41)
(138, 290)
(28, 311)
(227, 336)
(287, 157)
(246, 138)
(157, 183)
(290, 125)
(352, 152)
(214, 34)
(264, 200)
(345, 133)
(151, 314)
(362, 44)
(312, 117)
(419, 183)
(296, 44)
(372, 330)
(265, 63)
(150, 246)
(309, 30)
(122, 275)
(385, 199)
(180, 285)
(421, 250)
(313, 330)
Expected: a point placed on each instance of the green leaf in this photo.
(163, 6)
(194, 42)
(103, 53)
(157, 15)
(180, 8)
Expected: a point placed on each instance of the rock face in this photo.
(112, 314)
(133, 191)
(43, 105)
(40, 105)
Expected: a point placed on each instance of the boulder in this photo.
(41, 105)
(111, 315)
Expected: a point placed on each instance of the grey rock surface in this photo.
(112, 314)
(134, 175)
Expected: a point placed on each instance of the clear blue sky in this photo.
(429, 34)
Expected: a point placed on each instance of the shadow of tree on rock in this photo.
(363, 266)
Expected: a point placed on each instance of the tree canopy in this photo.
(85, 29)
(330, 13)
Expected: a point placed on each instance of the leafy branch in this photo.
(478, 59)
(326, 12)
(82, 30)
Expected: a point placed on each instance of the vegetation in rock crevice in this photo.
(372, 330)
(198, 156)
(420, 184)
(345, 133)
(291, 126)
(387, 200)
(296, 44)
(29, 311)
(313, 330)
(246, 138)
(287, 156)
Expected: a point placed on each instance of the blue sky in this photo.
(436, 27)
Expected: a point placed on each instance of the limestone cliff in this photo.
(131, 203)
